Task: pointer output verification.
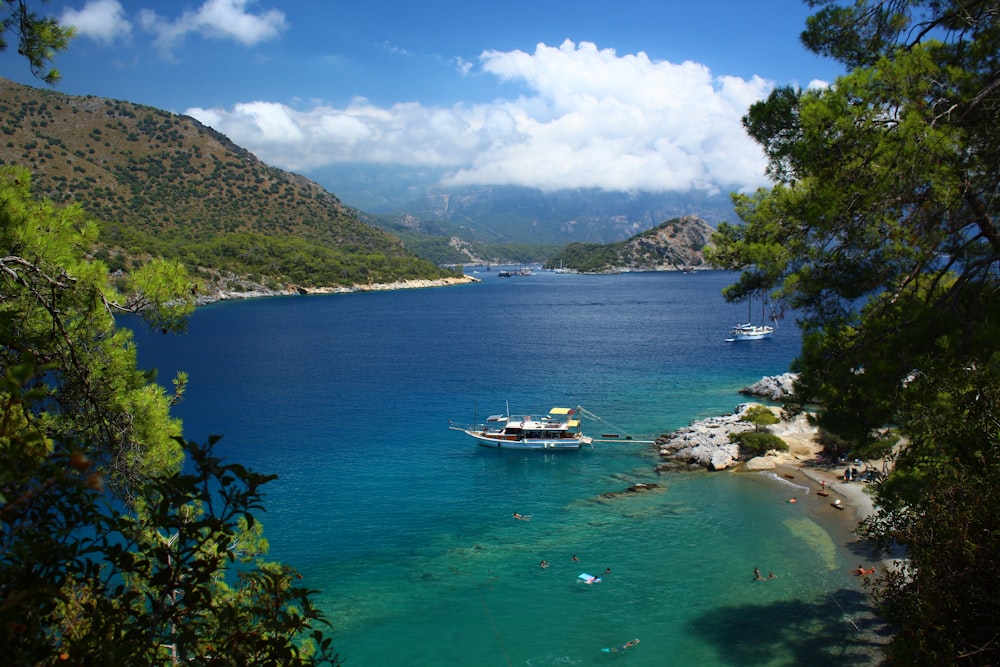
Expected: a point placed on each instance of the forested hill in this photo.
(166, 185)
(674, 245)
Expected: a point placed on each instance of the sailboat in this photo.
(750, 331)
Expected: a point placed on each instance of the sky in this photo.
(632, 96)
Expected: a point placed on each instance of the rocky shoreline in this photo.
(705, 445)
(255, 291)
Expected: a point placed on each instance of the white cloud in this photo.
(218, 19)
(591, 118)
(100, 20)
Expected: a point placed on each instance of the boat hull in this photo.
(750, 332)
(543, 444)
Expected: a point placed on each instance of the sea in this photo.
(406, 527)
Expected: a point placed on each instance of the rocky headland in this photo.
(706, 443)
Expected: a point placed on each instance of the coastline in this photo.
(699, 445)
(254, 291)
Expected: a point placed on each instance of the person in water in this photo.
(544, 564)
(521, 517)
(575, 559)
(756, 574)
(627, 645)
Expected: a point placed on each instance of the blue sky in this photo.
(632, 96)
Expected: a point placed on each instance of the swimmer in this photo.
(575, 559)
(521, 517)
(772, 575)
(756, 574)
(607, 572)
(793, 500)
(626, 645)
(544, 564)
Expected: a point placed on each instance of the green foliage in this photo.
(760, 416)
(753, 443)
(39, 38)
(109, 554)
(85, 584)
(881, 232)
(943, 505)
(57, 322)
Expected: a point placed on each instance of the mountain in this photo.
(511, 214)
(677, 244)
(166, 185)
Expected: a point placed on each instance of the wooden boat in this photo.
(558, 430)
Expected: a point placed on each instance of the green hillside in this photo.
(677, 244)
(166, 185)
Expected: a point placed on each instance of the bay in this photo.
(405, 526)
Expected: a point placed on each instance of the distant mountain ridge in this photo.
(512, 214)
(166, 185)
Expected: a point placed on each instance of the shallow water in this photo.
(406, 527)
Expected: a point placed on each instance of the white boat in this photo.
(558, 430)
(750, 331)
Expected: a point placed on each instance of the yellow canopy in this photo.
(560, 411)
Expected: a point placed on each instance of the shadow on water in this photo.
(840, 628)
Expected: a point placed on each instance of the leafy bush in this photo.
(757, 444)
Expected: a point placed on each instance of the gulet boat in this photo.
(558, 430)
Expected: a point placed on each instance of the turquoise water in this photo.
(405, 526)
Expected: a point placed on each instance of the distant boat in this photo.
(748, 330)
(559, 430)
(504, 274)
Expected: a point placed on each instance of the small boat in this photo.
(558, 430)
(822, 493)
(836, 504)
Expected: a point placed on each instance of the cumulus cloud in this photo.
(590, 118)
(100, 20)
(217, 19)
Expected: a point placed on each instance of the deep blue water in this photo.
(406, 527)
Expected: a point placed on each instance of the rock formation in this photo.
(774, 388)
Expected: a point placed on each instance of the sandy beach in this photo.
(803, 455)
(802, 466)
